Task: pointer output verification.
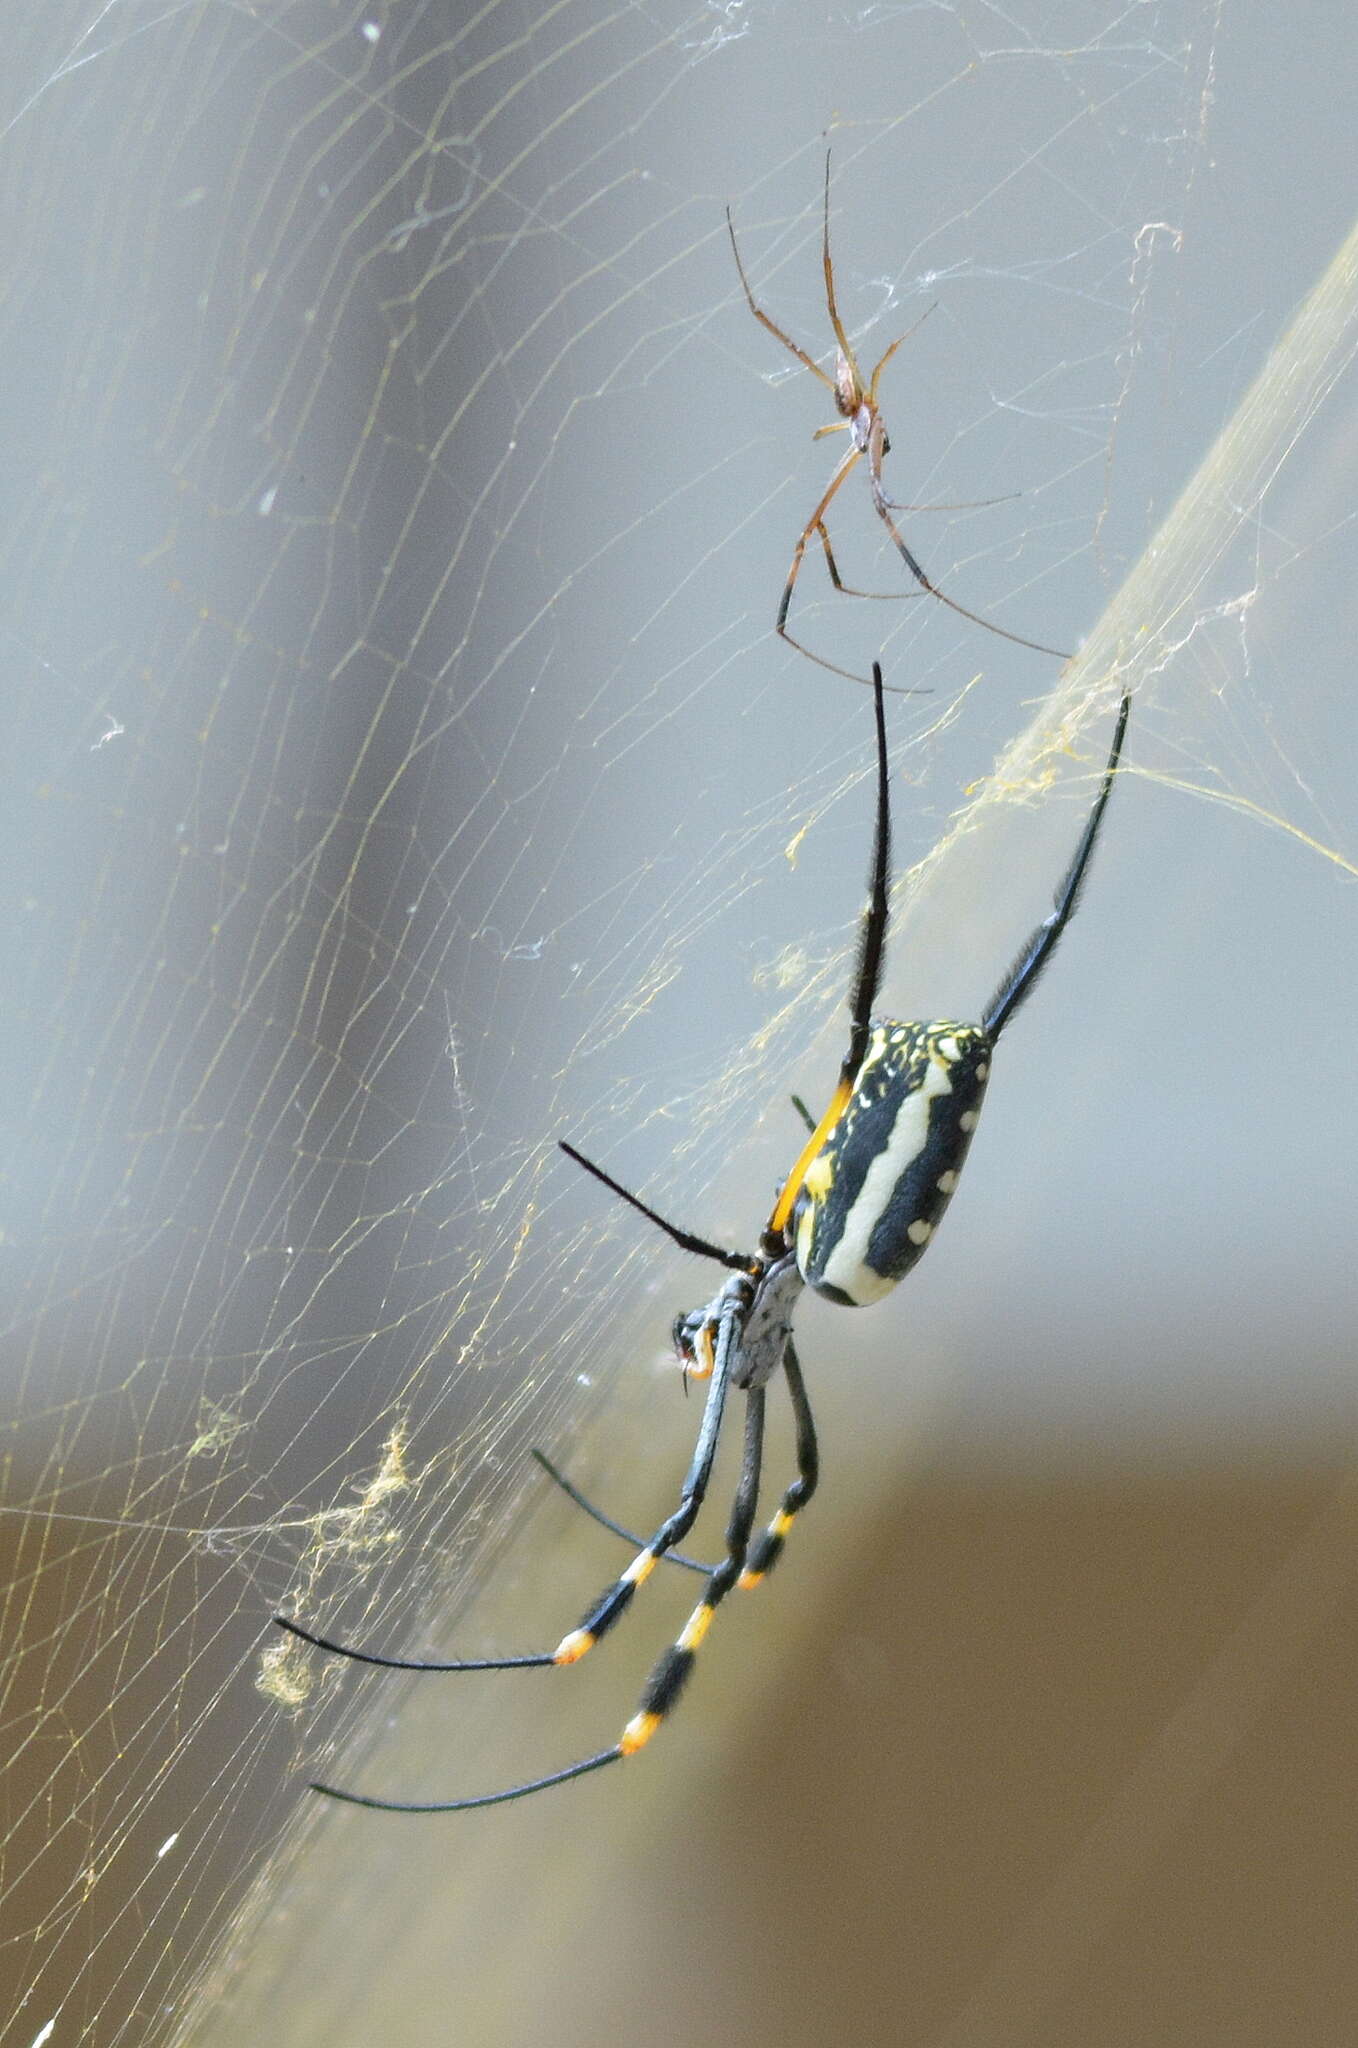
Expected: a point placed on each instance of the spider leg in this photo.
(355, 1656)
(872, 934)
(768, 1548)
(850, 360)
(956, 505)
(849, 589)
(1022, 977)
(675, 1666)
(616, 1597)
(685, 1239)
(665, 1682)
(900, 338)
(572, 1492)
(815, 524)
(892, 596)
(772, 326)
(867, 980)
(591, 1763)
(803, 1112)
(883, 511)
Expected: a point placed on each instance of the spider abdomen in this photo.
(873, 1196)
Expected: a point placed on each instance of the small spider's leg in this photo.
(768, 1548)
(1019, 982)
(772, 325)
(957, 504)
(573, 1492)
(900, 338)
(867, 980)
(675, 1666)
(883, 511)
(892, 596)
(848, 398)
(815, 524)
(851, 590)
(616, 1597)
(850, 674)
(685, 1239)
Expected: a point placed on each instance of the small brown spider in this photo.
(860, 417)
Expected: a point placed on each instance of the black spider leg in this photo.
(670, 1532)
(1022, 977)
(868, 976)
(596, 1514)
(616, 1597)
(688, 1242)
(675, 1666)
(685, 1239)
(872, 943)
(356, 1656)
(768, 1548)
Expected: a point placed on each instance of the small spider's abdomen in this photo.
(873, 1196)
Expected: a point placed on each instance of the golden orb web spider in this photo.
(857, 1210)
(862, 421)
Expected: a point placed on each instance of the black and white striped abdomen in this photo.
(873, 1195)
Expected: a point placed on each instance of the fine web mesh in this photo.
(402, 771)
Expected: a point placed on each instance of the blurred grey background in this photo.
(402, 770)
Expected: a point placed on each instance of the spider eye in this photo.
(873, 1196)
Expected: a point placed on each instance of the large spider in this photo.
(863, 422)
(857, 1210)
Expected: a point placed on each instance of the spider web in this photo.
(402, 772)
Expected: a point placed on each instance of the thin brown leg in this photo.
(851, 590)
(772, 325)
(816, 524)
(883, 512)
(840, 336)
(885, 359)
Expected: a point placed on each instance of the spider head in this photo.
(696, 1334)
(874, 1193)
(692, 1337)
